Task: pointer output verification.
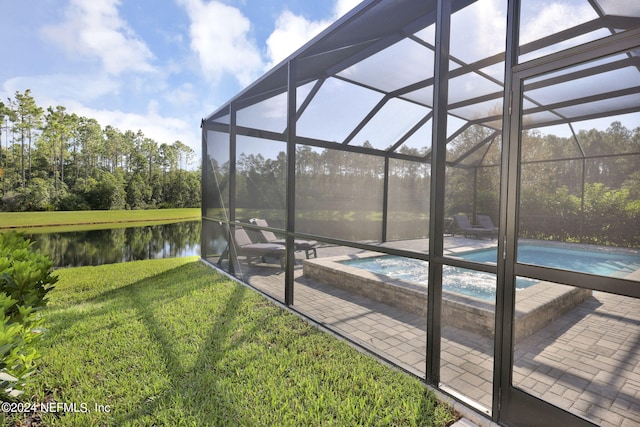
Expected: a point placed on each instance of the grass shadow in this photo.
(191, 383)
(186, 346)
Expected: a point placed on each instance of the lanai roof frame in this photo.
(369, 42)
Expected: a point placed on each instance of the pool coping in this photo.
(536, 306)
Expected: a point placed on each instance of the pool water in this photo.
(472, 283)
(483, 285)
(592, 261)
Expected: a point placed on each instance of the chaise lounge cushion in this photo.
(270, 237)
(486, 222)
(248, 248)
(465, 227)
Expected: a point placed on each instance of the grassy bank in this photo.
(170, 342)
(93, 219)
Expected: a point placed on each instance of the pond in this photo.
(96, 247)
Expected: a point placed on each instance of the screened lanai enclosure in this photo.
(453, 186)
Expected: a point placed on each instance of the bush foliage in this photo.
(604, 216)
(25, 280)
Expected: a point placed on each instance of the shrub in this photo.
(25, 280)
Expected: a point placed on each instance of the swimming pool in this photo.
(483, 285)
(462, 303)
(472, 283)
(602, 262)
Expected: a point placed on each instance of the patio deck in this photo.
(586, 362)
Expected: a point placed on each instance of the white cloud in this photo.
(182, 95)
(220, 36)
(543, 20)
(61, 87)
(621, 7)
(478, 30)
(94, 29)
(344, 6)
(161, 129)
(293, 31)
(75, 93)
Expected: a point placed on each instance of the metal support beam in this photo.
(233, 256)
(505, 291)
(367, 119)
(291, 182)
(436, 202)
(203, 188)
(314, 90)
(474, 208)
(385, 200)
(476, 147)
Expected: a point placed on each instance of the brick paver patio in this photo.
(586, 362)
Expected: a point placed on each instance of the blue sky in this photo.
(153, 65)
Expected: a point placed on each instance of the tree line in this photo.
(579, 188)
(51, 159)
(582, 188)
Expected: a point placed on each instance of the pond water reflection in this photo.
(96, 247)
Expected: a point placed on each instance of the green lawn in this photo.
(93, 219)
(171, 342)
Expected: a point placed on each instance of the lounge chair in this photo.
(485, 222)
(465, 228)
(246, 247)
(307, 246)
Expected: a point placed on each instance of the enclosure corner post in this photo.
(291, 183)
(436, 202)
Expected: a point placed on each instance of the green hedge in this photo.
(605, 216)
(25, 279)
